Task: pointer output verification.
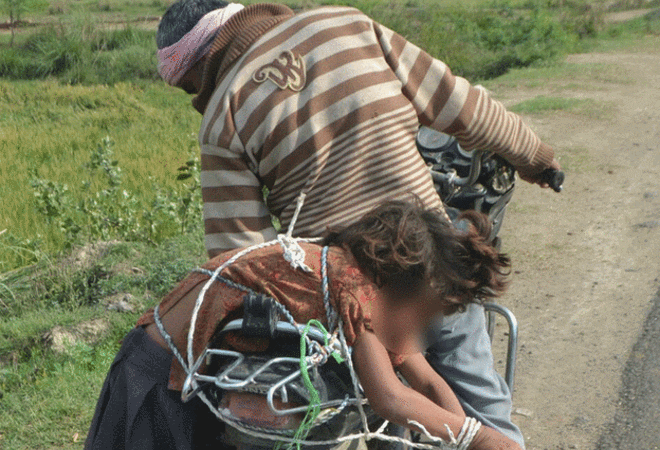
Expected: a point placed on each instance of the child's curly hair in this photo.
(403, 245)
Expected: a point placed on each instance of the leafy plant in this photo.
(190, 205)
(108, 211)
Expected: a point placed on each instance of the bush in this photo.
(480, 42)
(649, 24)
(81, 51)
(108, 211)
(477, 43)
(504, 39)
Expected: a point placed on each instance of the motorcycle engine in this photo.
(491, 190)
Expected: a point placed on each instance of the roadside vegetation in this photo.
(99, 170)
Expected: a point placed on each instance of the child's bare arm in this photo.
(390, 398)
(425, 380)
(399, 404)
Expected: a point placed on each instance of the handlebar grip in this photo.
(554, 178)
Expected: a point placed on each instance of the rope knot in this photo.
(293, 252)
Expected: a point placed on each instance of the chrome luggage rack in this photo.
(233, 377)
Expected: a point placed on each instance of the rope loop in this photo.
(312, 354)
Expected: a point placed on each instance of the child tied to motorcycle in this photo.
(389, 275)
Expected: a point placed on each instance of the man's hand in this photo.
(536, 179)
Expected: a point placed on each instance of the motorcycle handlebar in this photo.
(554, 178)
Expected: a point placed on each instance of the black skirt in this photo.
(136, 410)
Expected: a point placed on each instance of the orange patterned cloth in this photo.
(265, 271)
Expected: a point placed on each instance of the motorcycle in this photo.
(303, 388)
(477, 180)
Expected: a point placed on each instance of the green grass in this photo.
(52, 129)
(47, 398)
(81, 49)
(629, 40)
(563, 76)
(578, 106)
(107, 10)
(37, 411)
(542, 104)
(648, 24)
(479, 39)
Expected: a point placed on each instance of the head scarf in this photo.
(177, 59)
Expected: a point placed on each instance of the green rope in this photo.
(314, 408)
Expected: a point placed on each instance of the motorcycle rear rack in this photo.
(493, 309)
(227, 380)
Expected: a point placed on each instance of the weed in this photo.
(576, 160)
(19, 252)
(649, 24)
(5, 291)
(36, 410)
(564, 76)
(107, 211)
(37, 385)
(77, 288)
(189, 208)
(542, 103)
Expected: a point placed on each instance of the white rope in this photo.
(295, 255)
(469, 430)
(463, 440)
(299, 203)
(206, 287)
(293, 252)
(425, 432)
(465, 436)
(265, 433)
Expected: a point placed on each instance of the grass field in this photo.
(81, 77)
(47, 396)
(91, 143)
(49, 131)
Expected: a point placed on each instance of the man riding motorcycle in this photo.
(328, 103)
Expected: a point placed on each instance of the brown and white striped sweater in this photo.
(328, 102)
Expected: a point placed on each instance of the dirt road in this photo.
(638, 415)
(586, 261)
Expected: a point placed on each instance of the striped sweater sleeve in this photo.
(235, 214)
(452, 105)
